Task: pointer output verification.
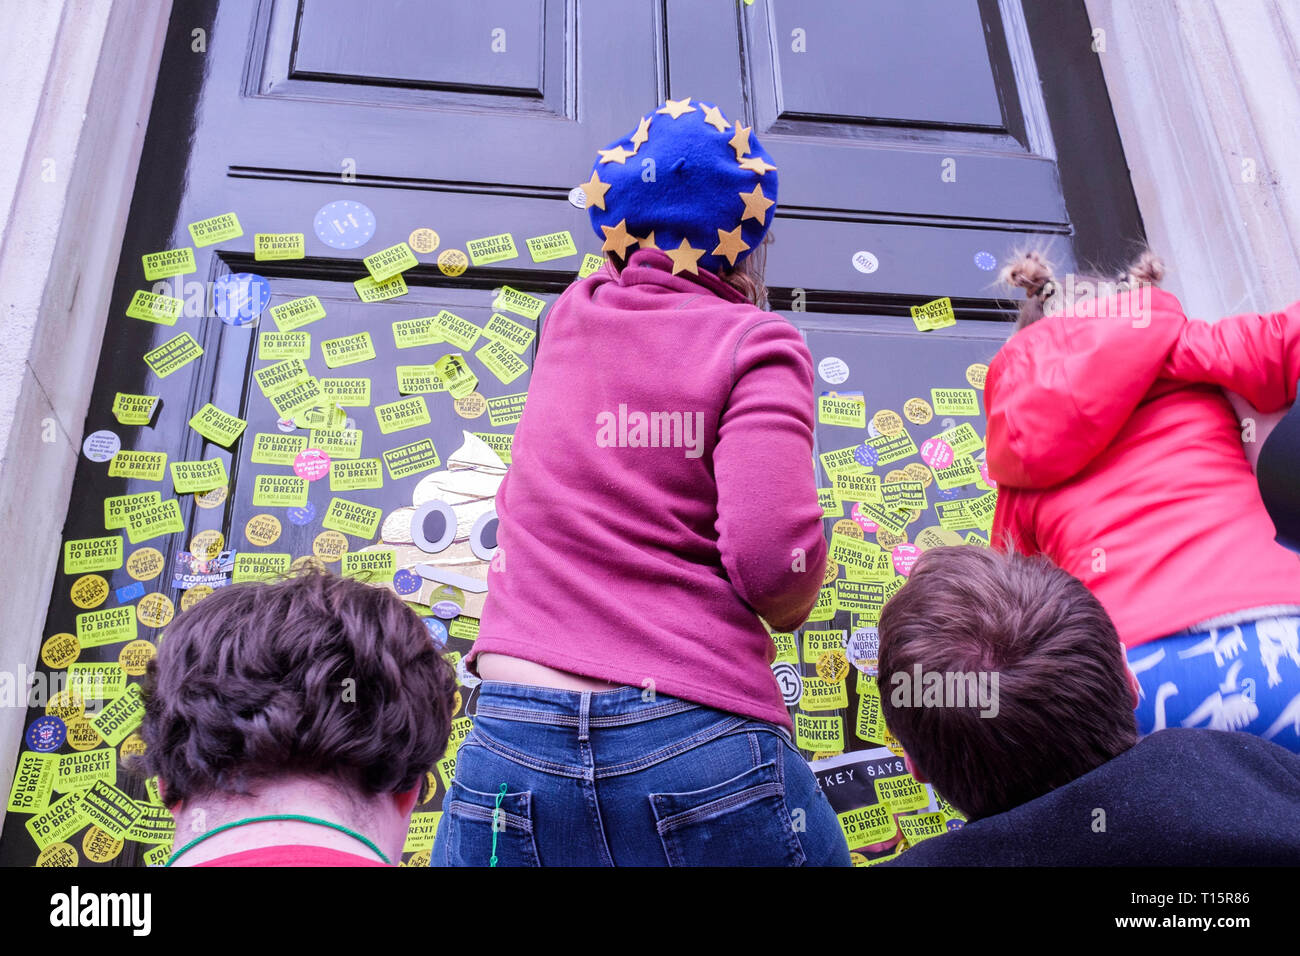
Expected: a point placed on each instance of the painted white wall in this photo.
(1206, 96)
(77, 79)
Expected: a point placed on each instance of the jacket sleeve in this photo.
(1256, 356)
(769, 522)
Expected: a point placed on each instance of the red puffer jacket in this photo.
(1117, 455)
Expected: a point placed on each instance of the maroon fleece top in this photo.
(661, 495)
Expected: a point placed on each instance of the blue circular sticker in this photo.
(407, 581)
(446, 609)
(240, 297)
(984, 260)
(345, 224)
(302, 515)
(866, 455)
(437, 631)
(46, 734)
(949, 494)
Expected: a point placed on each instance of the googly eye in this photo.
(483, 536)
(433, 526)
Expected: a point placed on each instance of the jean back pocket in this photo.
(470, 828)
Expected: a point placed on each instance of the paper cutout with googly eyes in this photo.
(447, 535)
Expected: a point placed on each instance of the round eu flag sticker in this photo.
(345, 224)
(866, 455)
(303, 515)
(437, 631)
(240, 297)
(406, 581)
(46, 734)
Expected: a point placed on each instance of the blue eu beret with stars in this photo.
(688, 182)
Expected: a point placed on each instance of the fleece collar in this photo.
(653, 267)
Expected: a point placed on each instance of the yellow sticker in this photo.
(977, 375)
(279, 491)
(821, 694)
(348, 392)
(100, 846)
(133, 746)
(465, 628)
(470, 406)
(889, 539)
(278, 377)
(348, 350)
(259, 566)
(904, 495)
(217, 426)
(270, 448)
(89, 591)
(271, 246)
(922, 826)
(918, 472)
(60, 650)
(140, 465)
(155, 610)
(962, 471)
(848, 528)
(216, 229)
(169, 262)
(506, 409)
(419, 380)
(117, 507)
(520, 303)
(368, 290)
(508, 332)
(154, 521)
(849, 412)
(856, 486)
(339, 443)
(296, 313)
(78, 771)
(955, 401)
(817, 734)
(455, 374)
(33, 782)
(283, 345)
(918, 411)
(262, 530)
(934, 315)
(389, 262)
(371, 566)
(902, 793)
(198, 476)
(308, 562)
(120, 716)
(870, 724)
(82, 734)
(590, 263)
(92, 554)
(194, 595)
(131, 409)
(409, 333)
(419, 837)
(501, 362)
(355, 475)
(162, 309)
(974, 539)
(173, 354)
(98, 681)
(213, 498)
(963, 439)
(407, 460)
(352, 518)
(65, 705)
(490, 249)
(868, 825)
(207, 544)
(452, 262)
(329, 546)
(555, 245)
(110, 808)
(891, 448)
(457, 331)
(402, 414)
(887, 422)
(841, 459)
(833, 666)
(423, 240)
(58, 854)
(144, 564)
(135, 657)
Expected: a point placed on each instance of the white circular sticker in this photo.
(865, 262)
(463, 675)
(833, 370)
(872, 430)
(101, 446)
(578, 197)
(791, 684)
(285, 424)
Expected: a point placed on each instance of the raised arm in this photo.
(1256, 356)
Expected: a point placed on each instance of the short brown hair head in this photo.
(1064, 706)
(313, 674)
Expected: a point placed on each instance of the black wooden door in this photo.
(916, 149)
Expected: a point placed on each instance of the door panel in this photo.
(478, 119)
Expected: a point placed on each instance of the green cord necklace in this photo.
(278, 816)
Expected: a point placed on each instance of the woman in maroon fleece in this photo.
(660, 506)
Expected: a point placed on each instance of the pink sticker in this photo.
(936, 453)
(984, 473)
(905, 556)
(865, 523)
(311, 464)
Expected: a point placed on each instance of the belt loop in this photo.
(584, 716)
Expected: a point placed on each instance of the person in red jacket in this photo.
(660, 505)
(1117, 454)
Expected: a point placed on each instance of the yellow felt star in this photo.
(676, 108)
(642, 133)
(617, 238)
(756, 205)
(740, 142)
(595, 190)
(755, 164)
(713, 116)
(730, 244)
(684, 258)
(648, 242)
(615, 155)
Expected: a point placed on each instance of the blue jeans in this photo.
(611, 779)
(1242, 677)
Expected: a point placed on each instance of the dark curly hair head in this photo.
(314, 674)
